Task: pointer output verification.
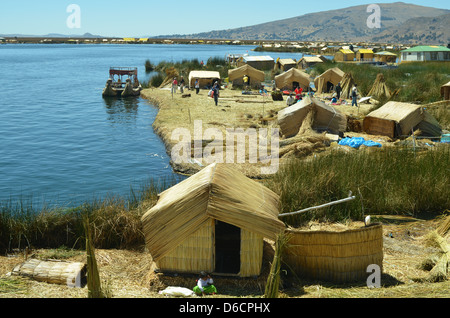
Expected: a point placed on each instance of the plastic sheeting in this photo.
(356, 142)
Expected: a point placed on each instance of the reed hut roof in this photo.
(293, 75)
(286, 62)
(217, 192)
(325, 117)
(246, 70)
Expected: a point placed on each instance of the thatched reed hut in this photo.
(344, 55)
(385, 57)
(364, 55)
(214, 221)
(335, 256)
(395, 119)
(206, 78)
(325, 117)
(255, 77)
(308, 61)
(259, 62)
(291, 79)
(285, 64)
(328, 79)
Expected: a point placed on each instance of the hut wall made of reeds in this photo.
(395, 119)
(197, 253)
(335, 256)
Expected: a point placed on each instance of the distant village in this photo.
(341, 52)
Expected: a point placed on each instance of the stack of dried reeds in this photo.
(93, 276)
(379, 88)
(273, 281)
(438, 263)
(52, 271)
(347, 84)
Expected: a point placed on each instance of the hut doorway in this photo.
(227, 248)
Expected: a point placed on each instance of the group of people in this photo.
(175, 85)
(291, 100)
(337, 95)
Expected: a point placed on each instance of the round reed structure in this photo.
(335, 256)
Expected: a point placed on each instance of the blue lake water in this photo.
(61, 142)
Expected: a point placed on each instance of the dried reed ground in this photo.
(234, 111)
(126, 274)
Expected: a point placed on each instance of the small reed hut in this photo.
(385, 57)
(445, 91)
(214, 221)
(285, 64)
(291, 79)
(308, 61)
(335, 256)
(255, 77)
(364, 55)
(395, 119)
(325, 82)
(325, 118)
(344, 55)
(205, 78)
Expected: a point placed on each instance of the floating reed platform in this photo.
(336, 256)
(52, 271)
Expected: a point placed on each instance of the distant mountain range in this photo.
(400, 22)
(53, 35)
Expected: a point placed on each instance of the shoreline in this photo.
(235, 110)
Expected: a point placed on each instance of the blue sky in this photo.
(149, 18)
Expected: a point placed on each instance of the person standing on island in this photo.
(174, 85)
(354, 96)
(197, 86)
(205, 285)
(338, 90)
(182, 85)
(245, 79)
(215, 90)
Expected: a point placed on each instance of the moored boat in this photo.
(117, 87)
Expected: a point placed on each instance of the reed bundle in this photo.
(181, 223)
(273, 280)
(93, 276)
(438, 263)
(347, 84)
(379, 88)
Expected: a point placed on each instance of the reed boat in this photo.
(122, 82)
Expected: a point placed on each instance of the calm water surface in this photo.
(61, 142)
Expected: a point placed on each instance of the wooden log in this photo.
(52, 271)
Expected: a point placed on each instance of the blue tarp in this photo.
(356, 142)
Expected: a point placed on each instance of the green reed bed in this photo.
(115, 222)
(384, 181)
